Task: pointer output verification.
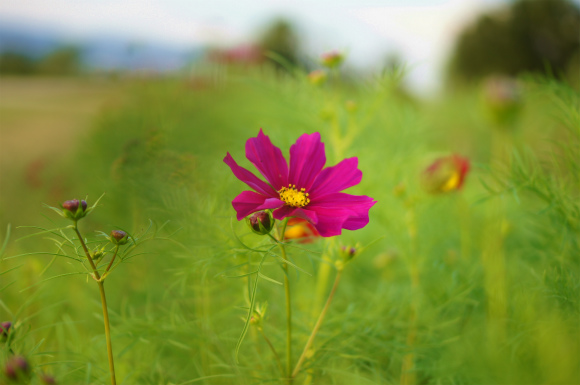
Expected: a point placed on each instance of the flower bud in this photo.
(445, 174)
(317, 77)
(97, 254)
(4, 330)
(17, 368)
(119, 237)
(332, 59)
(348, 253)
(74, 210)
(71, 205)
(261, 222)
(259, 314)
(47, 379)
(502, 99)
(351, 106)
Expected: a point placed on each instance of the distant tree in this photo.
(281, 38)
(62, 61)
(529, 35)
(13, 63)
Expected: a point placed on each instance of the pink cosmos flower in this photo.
(303, 190)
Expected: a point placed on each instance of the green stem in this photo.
(288, 314)
(276, 356)
(82, 241)
(103, 302)
(317, 326)
(111, 263)
(107, 332)
(282, 229)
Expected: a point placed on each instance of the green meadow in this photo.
(479, 285)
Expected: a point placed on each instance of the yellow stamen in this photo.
(294, 197)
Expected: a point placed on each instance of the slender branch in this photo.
(288, 314)
(276, 356)
(317, 326)
(111, 263)
(281, 230)
(103, 303)
(82, 241)
(107, 332)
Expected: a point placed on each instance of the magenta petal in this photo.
(337, 178)
(268, 160)
(249, 178)
(307, 158)
(358, 205)
(331, 220)
(289, 211)
(249, 202)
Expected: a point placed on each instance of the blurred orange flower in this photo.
(300, 230)
(445, 174)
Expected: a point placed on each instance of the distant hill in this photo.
(99, 52)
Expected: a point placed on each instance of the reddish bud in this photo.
(332, 59)
(261, 222)
(47, 379)
(74, 209)
(71, 205)
(119, 237)
(5, 328)
(317, 77)
(17, 367)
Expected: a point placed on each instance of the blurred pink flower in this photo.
(332, 59)
(303, 190)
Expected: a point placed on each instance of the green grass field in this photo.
(475, 286)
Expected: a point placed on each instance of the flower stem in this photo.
(276, 356)
(282, 229)
(111, 263)
(107, 331)
(82, 241)
(288, 314)
(317, 326)
(103, 302)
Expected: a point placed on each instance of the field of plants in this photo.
(468, 270)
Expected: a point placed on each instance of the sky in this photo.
(421, 32)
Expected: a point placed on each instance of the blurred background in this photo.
(141, 100)
(439, 41)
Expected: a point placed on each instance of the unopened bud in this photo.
(16, 368)
(71, 205)
(74, 210)
(97, 254)
(347, 252)
(351, 106)
(317, 77)
(332, 59)
(47, 379)
(119, 237)
(261, 222)
(5, 329)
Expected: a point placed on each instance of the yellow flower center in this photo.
(294, 197)
(451, 183)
